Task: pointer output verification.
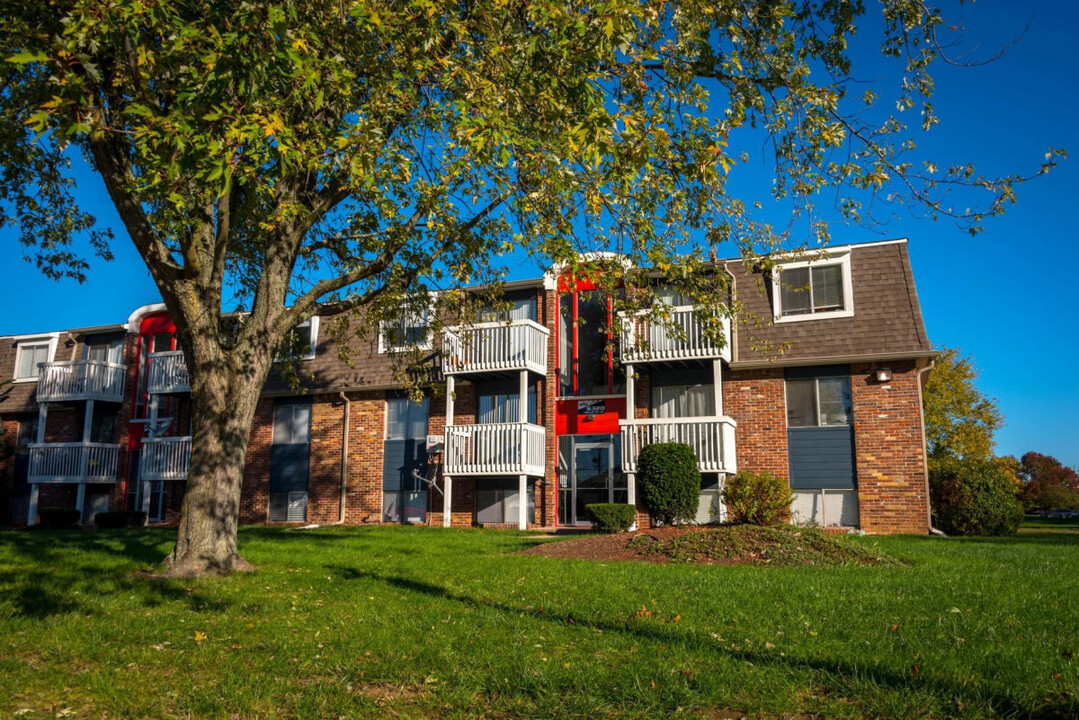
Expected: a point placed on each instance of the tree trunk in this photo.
(223, 406)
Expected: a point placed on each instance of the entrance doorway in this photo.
(590, 471)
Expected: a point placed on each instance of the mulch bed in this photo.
(718, 545)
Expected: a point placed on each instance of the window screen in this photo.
(796, 291)
(827, 288)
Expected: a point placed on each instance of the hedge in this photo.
(757, 499)
(119, 519)
(973, 497)
(612, 517)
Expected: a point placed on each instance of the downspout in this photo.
(344, 455)
(925, 451)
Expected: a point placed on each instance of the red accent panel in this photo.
(568, 422)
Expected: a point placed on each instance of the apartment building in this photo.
(535, 415)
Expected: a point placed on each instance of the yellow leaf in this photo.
(199, 636)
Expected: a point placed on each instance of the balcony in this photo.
(712, 440)
(165, 458)
(168, 373)
(646, 339)
(75, 462)
(81, 380)
(495, 347)
(495, 449)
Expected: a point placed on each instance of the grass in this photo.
(419, 622)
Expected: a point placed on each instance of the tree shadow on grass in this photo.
(45, 573)
(1002, 704)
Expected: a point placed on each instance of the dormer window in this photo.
(300, 342)
(409, 331)
(30, 352)
(813, 289)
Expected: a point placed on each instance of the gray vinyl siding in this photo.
(821, 457)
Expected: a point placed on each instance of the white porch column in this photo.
(447, 500)
(31, 515)
(80, 500)
(631, 414)
(447, 481)
(717, 385)
(35, 490)
(522, 480)
(522, 502)
(522, 411)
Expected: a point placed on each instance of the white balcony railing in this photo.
(75, 462)
(81, 380)
(712, 440)
(682, 337)
(495, 346)
(495, 449)
(168, 373)
(166, 458)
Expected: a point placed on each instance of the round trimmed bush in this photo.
(669, 482)
(612, 517)
(973, 497)
(757, 499)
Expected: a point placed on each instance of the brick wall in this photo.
(365, 437)
(888, 440)
(547, 493)
(255, 492)
(756, 399)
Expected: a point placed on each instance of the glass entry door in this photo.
(593, 476)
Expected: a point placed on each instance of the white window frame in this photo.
(427, 344)
(841, 259)
(22, 341)
(313, 323)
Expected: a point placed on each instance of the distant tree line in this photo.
(973, 490)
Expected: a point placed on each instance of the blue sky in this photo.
(1003, 297)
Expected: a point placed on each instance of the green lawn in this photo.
(417, 622)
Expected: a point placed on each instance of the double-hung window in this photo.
(300, 343)
(408, 331)
(30, 353)
(814, 289)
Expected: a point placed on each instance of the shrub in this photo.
(612, 517)
(757, 499)
(58, 517)
(669, 482)
(136, 518)
(973, 497)
(119, 519)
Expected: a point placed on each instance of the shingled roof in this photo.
(887, 321)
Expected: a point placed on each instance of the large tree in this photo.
(960, 420)
(291, 158)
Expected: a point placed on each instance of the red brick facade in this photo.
(889, 445)
(887, 431)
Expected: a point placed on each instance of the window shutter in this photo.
(828, 288)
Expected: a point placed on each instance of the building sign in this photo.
(591, 407)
